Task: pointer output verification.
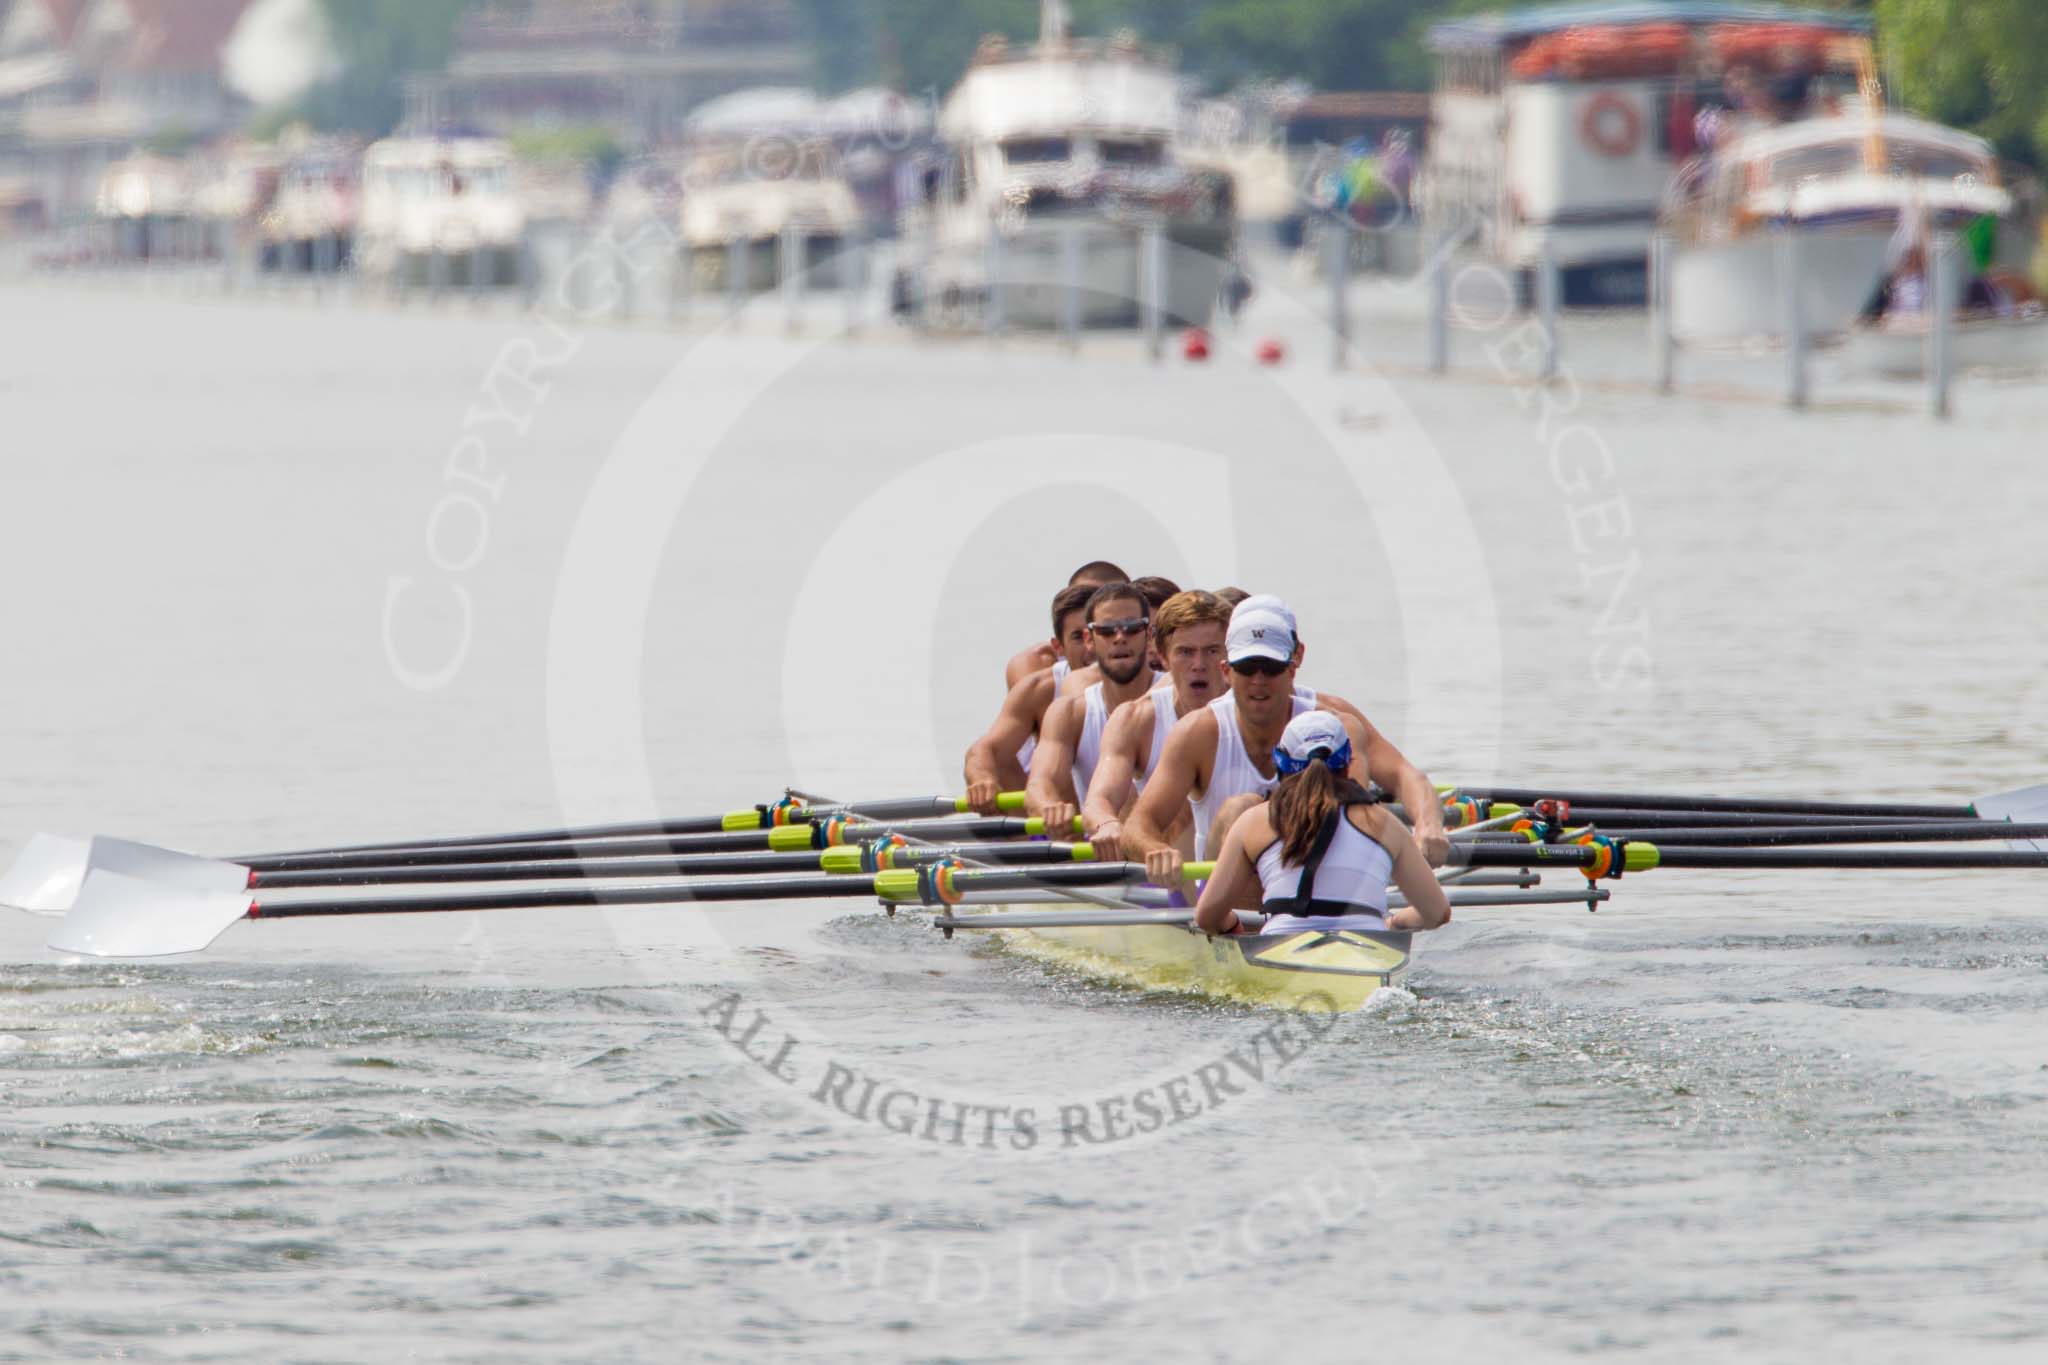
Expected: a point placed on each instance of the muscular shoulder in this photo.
(1080, 680)
(1028, 661)
(1066, 712)
(1129, 718)
(1330, 701)
(1197, 724)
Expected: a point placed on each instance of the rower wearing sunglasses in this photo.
(1187, 633)
(1070, 738)
(1219, 761)
(1156, 591)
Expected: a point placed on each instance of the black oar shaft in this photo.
(541, 897)
(988, 827)
(685, 892)
(695, 865)
(1896, 810)
(1582, 855)
(1637, 817)
(1911, 832)
(1960, 859)
(903, 809)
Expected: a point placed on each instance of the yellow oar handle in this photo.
(940, 884)
(1008, 802)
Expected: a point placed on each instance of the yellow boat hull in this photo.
(1313, 970)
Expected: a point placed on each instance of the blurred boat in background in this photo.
(1056, 158)
(1848, 185)
(759, 168)
(439, 210)
(1555, 130)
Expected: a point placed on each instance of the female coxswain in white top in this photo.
(1319, 853)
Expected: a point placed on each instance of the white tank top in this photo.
(1232, 774)
(1164, 713)
(1088, 752)
(1355, 870)
(1060, 669)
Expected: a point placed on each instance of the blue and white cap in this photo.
(1310, 736)
(1259, 633)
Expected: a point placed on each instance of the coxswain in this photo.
(1219, 760)
(1318, 853)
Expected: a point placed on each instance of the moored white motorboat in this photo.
(1057, 158)
(762, 180)
(146, 201)
(1842, 184)
(439, 210)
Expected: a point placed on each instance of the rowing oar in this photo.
(1607, 857)
(1638, 817)
(760, 817)
(117, 915)
(47, 875)
(1911, 832)
(175, 870)
(2026, 803)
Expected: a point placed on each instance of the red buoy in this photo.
(1270, 351)
(1194, 344)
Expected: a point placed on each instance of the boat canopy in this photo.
(1856, 129)
(1057, 95)
(765, 109)
(1492, 32)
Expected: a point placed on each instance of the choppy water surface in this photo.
(1775, 1115)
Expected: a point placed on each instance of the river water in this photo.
(280, 574)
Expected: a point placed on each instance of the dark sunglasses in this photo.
(1136, 625)
(1264, 668)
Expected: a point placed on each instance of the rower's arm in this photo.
(1109, 791)
(1025, 662)
(1375, 759)
(1051, 781)
(1428, 907)
(1235, 882)
(1167, 790)
(983, 766)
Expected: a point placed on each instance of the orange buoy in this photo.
(1269, 351)
(1194, 344)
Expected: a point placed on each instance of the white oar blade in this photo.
(187, 871)
(117, 915)
(2027, 806)
(46, 874)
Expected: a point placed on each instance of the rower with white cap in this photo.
(1219, 760)
(1318, 854)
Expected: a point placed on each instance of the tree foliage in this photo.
(1978, 64)
(379, 43)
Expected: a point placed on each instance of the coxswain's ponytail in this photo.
(1314, 759)
(1304, 802)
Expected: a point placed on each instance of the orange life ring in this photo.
(1611, 125)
